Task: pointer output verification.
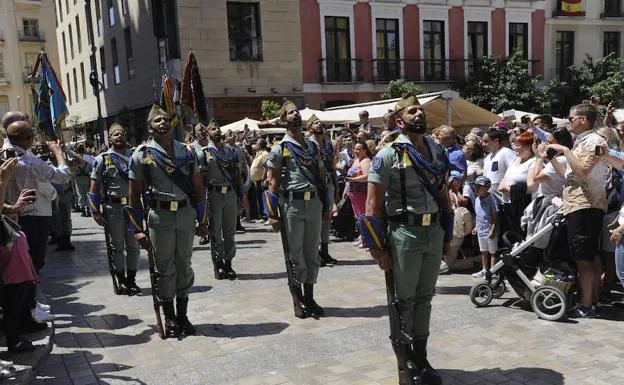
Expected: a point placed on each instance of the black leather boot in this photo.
(219, 269)
(186, 327)
(308, 293)
(204, 240)
(326, 259)
(122, 287)
(133, 289)
(231, 274)
(172, 329)
(428, 374)
(64, 243)
(301, 310)
(405, 366)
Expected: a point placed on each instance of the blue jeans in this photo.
(619, 262)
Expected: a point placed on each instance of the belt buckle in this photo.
(307, 196)
(173, 206)
(426, 220)
(124, 201)
(223, 189)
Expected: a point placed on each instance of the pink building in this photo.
(352, 49)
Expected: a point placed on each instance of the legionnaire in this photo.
(168, 170)
(295, 203)
(201, 141)
(326, 150)
(222, 178)
(409, 178)
(109, 187)
(82, 174)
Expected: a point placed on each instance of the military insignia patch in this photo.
(149, 160)
(377, 163)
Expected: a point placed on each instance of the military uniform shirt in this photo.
(327, 155)
(105, 173)
(163, 187)
(385, 169)
(293, 178)
(212, 173)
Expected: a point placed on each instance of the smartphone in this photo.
(550, 153)
(599, 151)
(10, 153)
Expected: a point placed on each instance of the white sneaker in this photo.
(41, 316)
(444, 268)
(480, 274)
(43, 306)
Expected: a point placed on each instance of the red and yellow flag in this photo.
(572, 7)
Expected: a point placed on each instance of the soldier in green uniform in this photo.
(222, 178)
(201, 141)
(109, 180)
(168, 169)
(82, 174)
(296, 199)
(326, 150)
(409, 178)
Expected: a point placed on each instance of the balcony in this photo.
(560, 11)
(4, 79)
(341, 70)
(32, 36)
(612, 8)
(28, 3)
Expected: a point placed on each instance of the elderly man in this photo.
(448, 138)
(31, 171)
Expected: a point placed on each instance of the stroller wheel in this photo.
(481, 294)
(549, 303)
(499, 288)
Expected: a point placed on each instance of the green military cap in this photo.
(213, 123)
(198, 127)
(156, 111)
(287, 106)
(313, 119)
(409, 99)
(114, 128)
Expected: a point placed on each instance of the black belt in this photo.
(220, 189)
(300, 195)
(171, 205)
(122, 200)
(411, 219)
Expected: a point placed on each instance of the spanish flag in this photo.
(572, 7)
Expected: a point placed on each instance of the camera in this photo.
(9, 153)
(550, 153)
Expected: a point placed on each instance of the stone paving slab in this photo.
(29, 364)
(248, 335)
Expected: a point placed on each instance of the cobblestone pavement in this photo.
(248, 335)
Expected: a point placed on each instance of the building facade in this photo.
(26, 26)
(595, 30)
(352, 49)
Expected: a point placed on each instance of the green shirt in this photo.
(294, 177)
(213, 174)
(385, 169)
(162, 185)
(106, 174)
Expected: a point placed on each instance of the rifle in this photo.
(154, 275)
(293, 286)
(109, 251)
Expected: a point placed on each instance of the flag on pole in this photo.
(572, 7)
(155, 99)
(50, 107)
(192, 89)
(166, 98)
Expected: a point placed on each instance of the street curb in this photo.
(25, 374)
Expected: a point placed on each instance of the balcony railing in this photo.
(34, 36)
(559, 11)
(424, 70)
(341, 70)
(612, 8)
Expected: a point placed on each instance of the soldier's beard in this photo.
(418, 128)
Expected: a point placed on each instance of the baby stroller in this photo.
(538, 268)
(343, 225)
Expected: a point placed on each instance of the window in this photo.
(68, 88)
(78, 36)
(612, 8)
(115, 60)
(519, 38)
(84, 81)
(611, 43)
(564, 51)
(31, 27)
(111, 13)
(1, 65)
(67, 6)
(434, 54)
(124, 7)
(4, 105)
(75, 85)
(64, 48)
(387, 38)
(477, 42)
(60, 10)
(103, 68)
(337, 49)
(129, 54)
(71, 41)
(244, 31)
(98, 17)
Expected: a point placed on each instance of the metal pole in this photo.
(93, 76)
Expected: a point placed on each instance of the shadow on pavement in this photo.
(356, 312)
(119, 380)
(254, 276)
(82, 360)
(102, 339)
(250, 241)
(452, 290)
(147, 292)
(499, 376)
(357, 262)
(241, 330)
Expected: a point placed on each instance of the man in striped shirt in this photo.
(29, 172)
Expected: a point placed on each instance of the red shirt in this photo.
(15, 264)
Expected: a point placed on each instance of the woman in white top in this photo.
(498, 160)
(547, 176)
(519, 169)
